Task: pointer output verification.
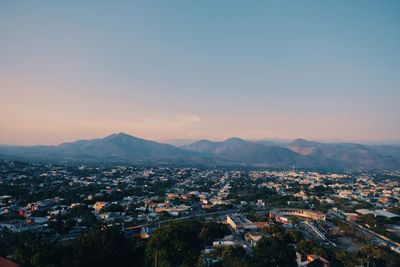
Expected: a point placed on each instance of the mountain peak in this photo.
(234, 140)
(303, 142)
(120, 134)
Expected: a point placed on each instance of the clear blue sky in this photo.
(326, 70)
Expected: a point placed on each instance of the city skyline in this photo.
(325, 71)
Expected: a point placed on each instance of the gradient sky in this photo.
(324, 70)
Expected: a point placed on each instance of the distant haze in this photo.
(188, 70)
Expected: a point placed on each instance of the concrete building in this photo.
(282, 214)
(237, 221)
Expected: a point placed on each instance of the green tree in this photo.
(273, 252)
(175, 244)
(211, 231)
(106, 247)
(310, 247)
(273, 229)
(233, 256)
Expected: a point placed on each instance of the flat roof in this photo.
(235, 219)
(386, 214)
(365, 211)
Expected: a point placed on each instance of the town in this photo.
(327, 218)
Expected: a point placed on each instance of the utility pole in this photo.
(158, 237)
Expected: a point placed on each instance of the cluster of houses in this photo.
(246, 234)
(137, 196)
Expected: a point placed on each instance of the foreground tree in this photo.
(274, 252)
(100, 247)
(175, 244)
(213, 230)
(234, 257)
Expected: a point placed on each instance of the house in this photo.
(14, 226)
(139, 231)
(253, 237)
(99, 205)
(304, 259)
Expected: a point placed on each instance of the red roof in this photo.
(314, 257)
(6, 263)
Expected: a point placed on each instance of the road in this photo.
(197, 216)
(385, 240)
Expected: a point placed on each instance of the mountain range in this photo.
(123, 148)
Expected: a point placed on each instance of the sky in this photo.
(164, 70)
